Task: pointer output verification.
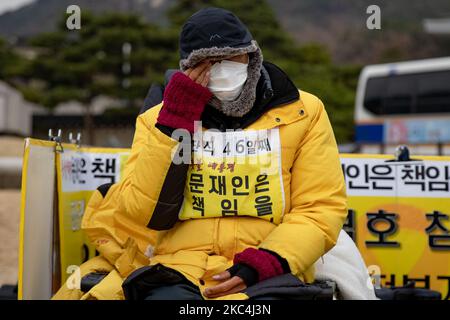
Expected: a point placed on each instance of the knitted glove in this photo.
(183, 103)
(246, 273)
(266, 264)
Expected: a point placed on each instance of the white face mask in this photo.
(227, 79)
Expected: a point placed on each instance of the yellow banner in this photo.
(399, 218)
(80, 171)
(38, 276)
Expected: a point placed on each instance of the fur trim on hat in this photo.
(198, 55)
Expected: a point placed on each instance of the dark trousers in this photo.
(184, 292)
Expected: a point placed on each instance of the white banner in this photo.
(87, 171)
(378, 177)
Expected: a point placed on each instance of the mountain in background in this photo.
(340, 25)
(43, 15)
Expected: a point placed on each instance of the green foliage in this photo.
(81, 64)
(11, 64)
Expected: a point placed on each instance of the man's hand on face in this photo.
(200, 73)
(228, 286)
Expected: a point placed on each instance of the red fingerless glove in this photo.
(183, 103)
(266, 264)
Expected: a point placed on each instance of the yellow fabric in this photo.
(314, 208)
(68, 291)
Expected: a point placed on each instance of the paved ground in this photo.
(9, 216)
(9, 235)
(11, 146)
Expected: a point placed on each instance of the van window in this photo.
(433, 93)
(409, 93)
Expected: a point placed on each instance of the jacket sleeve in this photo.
(318, 198)
(98, 222)
(152, 192)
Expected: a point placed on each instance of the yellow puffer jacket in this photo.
(314, 203)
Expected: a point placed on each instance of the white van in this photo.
(404, 103)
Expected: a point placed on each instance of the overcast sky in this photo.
(8, 5)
